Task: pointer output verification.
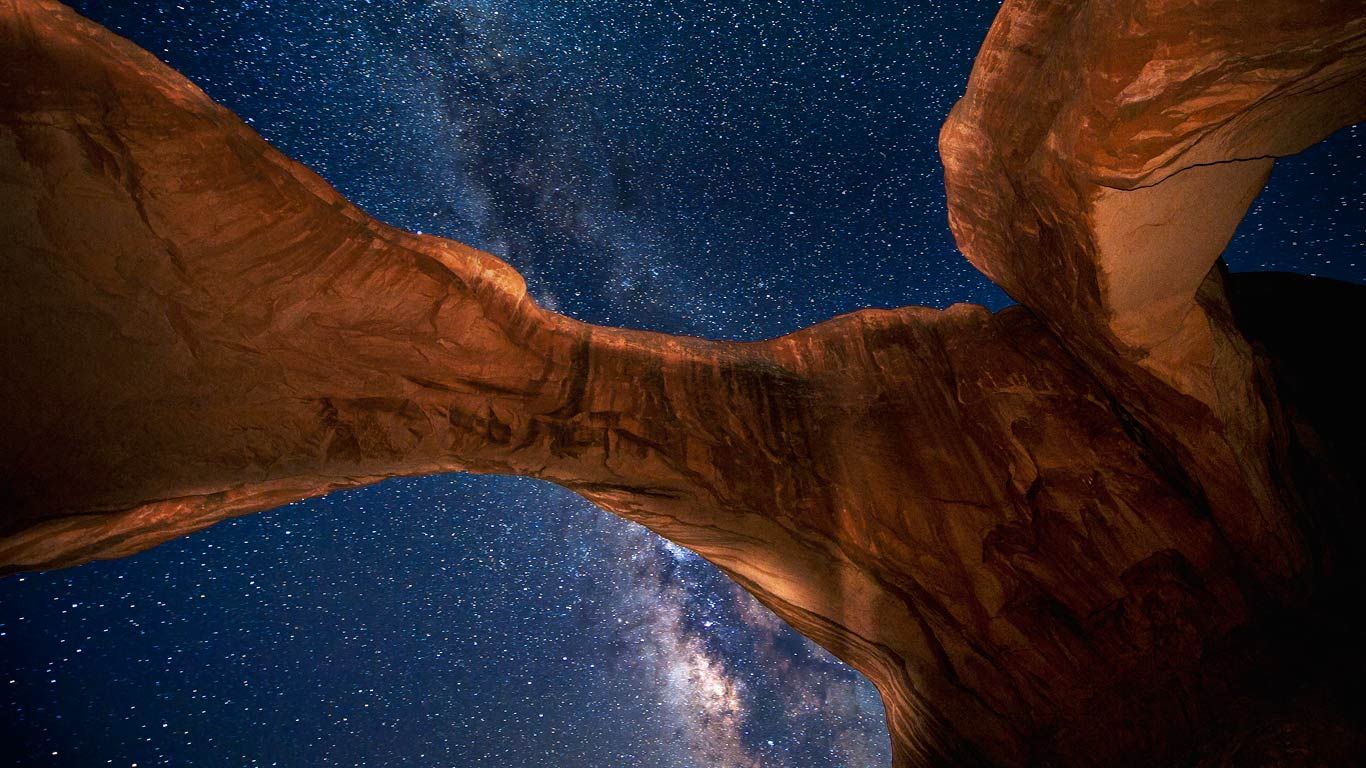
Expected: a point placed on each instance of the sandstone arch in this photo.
(1100, 528)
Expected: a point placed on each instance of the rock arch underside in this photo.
(1116, 524)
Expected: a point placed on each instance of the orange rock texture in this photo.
(1114, 525)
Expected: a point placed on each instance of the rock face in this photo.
(1096, 168)
(1116, 525)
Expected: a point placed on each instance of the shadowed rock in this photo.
(1116, 525)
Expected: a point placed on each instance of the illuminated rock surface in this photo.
(1101, 528)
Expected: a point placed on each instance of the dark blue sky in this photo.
(733, 170)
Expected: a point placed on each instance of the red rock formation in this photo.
(1096, 168)
(1097, 529)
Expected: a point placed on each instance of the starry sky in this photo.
(726, 169)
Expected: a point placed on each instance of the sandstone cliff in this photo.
(1105, 527)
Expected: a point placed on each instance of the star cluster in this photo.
(727, 169)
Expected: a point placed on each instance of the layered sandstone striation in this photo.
(1114, 525)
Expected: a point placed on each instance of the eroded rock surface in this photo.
(1096, 168)
(1100, 528)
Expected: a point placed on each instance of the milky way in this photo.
(731, 170)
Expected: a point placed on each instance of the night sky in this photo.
(731, 170)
